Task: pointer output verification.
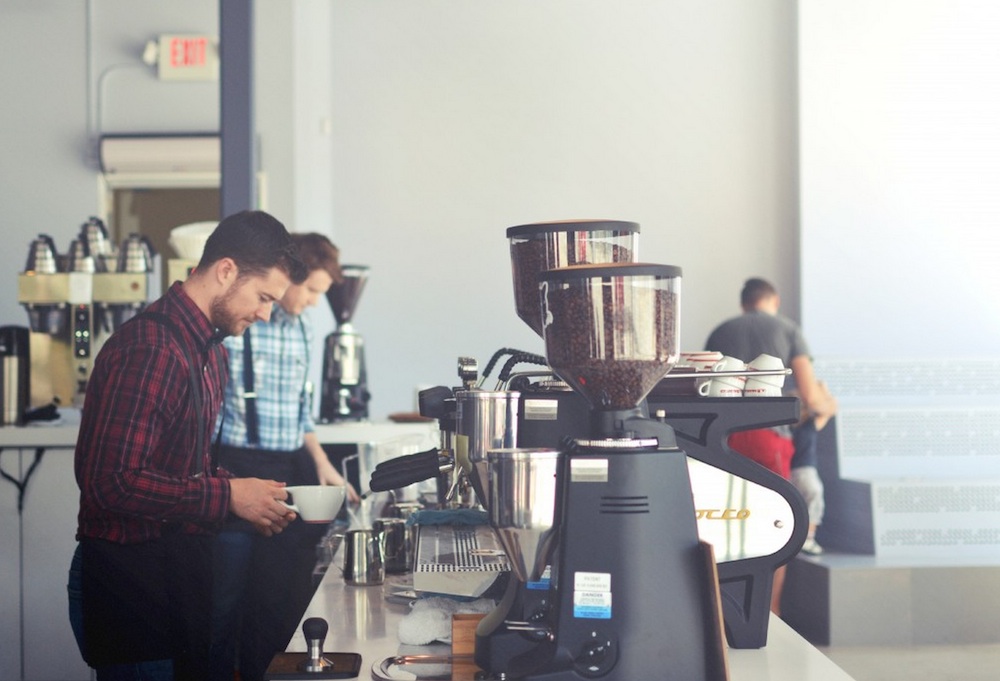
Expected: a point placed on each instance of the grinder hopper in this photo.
(344, 295)
(612, 331)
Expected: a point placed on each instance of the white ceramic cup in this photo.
(316, 503)
(699, 361)
(724, 386)
(765, 386)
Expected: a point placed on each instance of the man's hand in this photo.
(259, 502)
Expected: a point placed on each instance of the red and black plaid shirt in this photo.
(136, 463)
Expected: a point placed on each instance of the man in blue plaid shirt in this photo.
(262, 586)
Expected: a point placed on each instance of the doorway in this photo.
(153, 211)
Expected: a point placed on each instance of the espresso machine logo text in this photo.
(722, 513)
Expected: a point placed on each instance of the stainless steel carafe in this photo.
(14, 374)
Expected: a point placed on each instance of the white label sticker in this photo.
(592, 581)
(588, 470)
(541, 410)
(592, 595)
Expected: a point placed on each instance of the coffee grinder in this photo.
(344, 393)
(633, 592)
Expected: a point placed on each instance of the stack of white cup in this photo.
(769, 385)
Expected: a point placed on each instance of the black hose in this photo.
(496, 358)
(519, 358)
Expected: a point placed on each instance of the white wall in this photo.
(900, 122)
(416, 131)
(455, 120)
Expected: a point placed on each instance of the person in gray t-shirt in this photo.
(761, 330)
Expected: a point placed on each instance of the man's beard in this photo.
(224, 319)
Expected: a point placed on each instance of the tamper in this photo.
(314, 629)
(313, 665)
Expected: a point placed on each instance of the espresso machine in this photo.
(608, 517)
(344, 393)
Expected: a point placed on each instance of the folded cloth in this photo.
(429, 619)
(448, 516)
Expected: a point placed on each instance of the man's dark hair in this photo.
(754, 291)
(319, 253)
(257, 242)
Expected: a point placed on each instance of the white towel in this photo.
(429, 619)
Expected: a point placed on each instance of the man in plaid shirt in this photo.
(150, 497)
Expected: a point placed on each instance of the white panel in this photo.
(931, 519)
(919, 443)
(890, 381)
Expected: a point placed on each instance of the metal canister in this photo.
(363, 562)
(396, 549)
(485, 420)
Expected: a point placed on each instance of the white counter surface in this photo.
(362, 621)
(62, 434)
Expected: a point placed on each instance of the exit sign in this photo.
(188, 57)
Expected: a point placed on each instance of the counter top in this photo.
(62, 434)
(362, 620)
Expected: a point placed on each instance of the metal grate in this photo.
(459, 549)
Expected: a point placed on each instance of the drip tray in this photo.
(457, 560)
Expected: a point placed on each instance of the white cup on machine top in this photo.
(724, 386)
(765, 386)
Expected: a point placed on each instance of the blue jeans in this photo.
(231, 566)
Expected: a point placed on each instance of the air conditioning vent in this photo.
(128, 154)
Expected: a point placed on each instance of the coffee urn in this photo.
(344, 393)
(14, 363)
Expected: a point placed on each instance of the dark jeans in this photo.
(140, 612)
(805, 438)
(262, 584)
(158, 670)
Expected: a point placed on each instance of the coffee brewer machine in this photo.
(60, 317)
(74, 302)
(633, 593)
(344, 393)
